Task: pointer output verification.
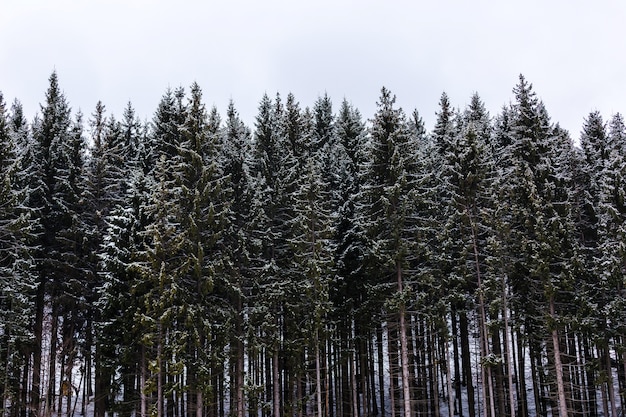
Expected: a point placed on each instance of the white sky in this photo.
(573, 52)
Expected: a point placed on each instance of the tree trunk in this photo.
(276, 383)
(144, 381)
(592, 398)
(507, 349)
(560, 387)
(522, 400)
(381, 368)
(35, 396)
(451, 399)
(466, 364)
(500, 396)
(484, 334)
(102, 386)
(318, 376)
(458, 403)
(609, 379)
(354, 384)
(404, 350)
(392, 354)
(159, 375)
(7, 371)
(52, 362)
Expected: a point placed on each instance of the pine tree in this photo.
(55, 163)
(465, 172)
(239, 245)
(17, 278)
(385, 207)
(611, 230)
(539, 241)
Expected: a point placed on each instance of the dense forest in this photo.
(318, 263)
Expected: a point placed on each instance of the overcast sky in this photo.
(573, 52)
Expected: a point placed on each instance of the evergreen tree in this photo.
(55, 163)
(17, 278)
(465, 172)
(239, 245)
(612, 259)
(539, 242)
(385, 207)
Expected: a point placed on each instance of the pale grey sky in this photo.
(574, 52)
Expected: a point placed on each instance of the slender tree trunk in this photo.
(326, 358)
(458, 403)
(369, 373)
(199, 403)
(35, 396)
(7, 371)
(381, 368)
(87, 391)
(143, 381)
(241, 406)
(239, 359)
(560, 387)
(159, 375)
(592, 398)
(500, 396)
(52, 361)
(483, 323)
(535, 370)
(522, 401)
(404, 350)
(432, 365)
(392, 354)
(622, 376)
(276, 383)
(508, 347)
(466, 364)
(354, 384)
(609, 379)
(24, 389)
(62, 387)
(451, 399)
(318, 375)
(102, 386)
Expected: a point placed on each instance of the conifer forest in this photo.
(318, 263)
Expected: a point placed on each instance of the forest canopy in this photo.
(316, 263)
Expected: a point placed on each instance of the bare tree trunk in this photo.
(159, 372)
(7, 370)
(241, 406)
(466, 364)
(276, 383)
(102, 386)
(199, 405)
(392, 355)
(521, 377)
(507, 351)
(609, 379)
(451, 393)
(381, 373)
(623, 378)
(404, 350)
(35, 396)
(592, 398)
(483, 323)
(560, 387)
(318, 375)
(143, 379)
(353, 382)
(458, 404)
(52, 361)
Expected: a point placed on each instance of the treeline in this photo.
(319, 264)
